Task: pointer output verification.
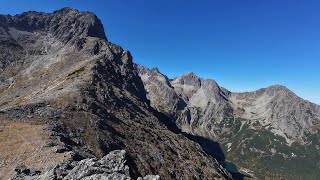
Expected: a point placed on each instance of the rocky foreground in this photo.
(111, 166)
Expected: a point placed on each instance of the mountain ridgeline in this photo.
(271, 132)
(79, 95)
(73, 105)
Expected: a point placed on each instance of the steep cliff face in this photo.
(58, 70)
(162, 94)
(258, 130)
(207, 105)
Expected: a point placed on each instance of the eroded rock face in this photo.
(63, 73)
(196, 105)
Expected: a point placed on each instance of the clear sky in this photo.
(243, 45)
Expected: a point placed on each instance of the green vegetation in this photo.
(268, 155)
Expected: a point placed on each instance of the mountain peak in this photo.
(155, 69)
(66, 10)
(66, 24)
(188, 79)
(190, 74)
(276, 89)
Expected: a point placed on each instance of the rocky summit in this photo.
(73, 105)
(68, 94)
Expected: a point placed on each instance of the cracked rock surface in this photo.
(110, 167)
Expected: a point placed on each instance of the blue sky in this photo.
(243, 45)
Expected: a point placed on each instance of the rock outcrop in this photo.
(111, 166)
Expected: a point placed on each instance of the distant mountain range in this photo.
(73, 105)
(271, 131)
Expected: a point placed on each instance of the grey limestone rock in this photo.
(110, 167)
(206, 104)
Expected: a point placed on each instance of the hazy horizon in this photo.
(244, 46)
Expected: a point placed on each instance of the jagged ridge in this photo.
(66, 76)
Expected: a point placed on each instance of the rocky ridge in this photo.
(58, 70)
